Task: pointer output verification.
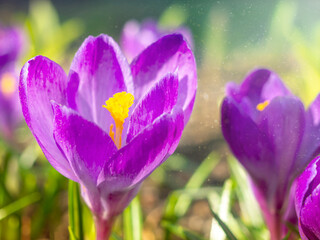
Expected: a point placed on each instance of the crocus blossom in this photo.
(108, 125)
(273, 137)
(10, 110)
(10, 45)
(136, 37)
(308, 201)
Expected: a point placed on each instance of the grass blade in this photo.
(224, 209)
(250, 210)
(75, 212)
(180, 231)
(224, 227)
(132, 220)
(19, 204)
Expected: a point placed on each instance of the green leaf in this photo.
(75, 212)
(250, 210)
(224, 227)
(180, 231)
(19, 204)
(72, 234)
(54, 183)
(132, 220)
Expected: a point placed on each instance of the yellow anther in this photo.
(263, 105)
(118, 106)
(8, 84)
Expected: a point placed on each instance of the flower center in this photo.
(263, 105)
(118, 106)
(8, 85)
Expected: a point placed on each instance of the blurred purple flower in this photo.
(11, 42)
(68, 119)
(308, 201)
(10, 110)
(273, 137)
(136, 37)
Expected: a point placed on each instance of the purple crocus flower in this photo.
(136, 37)
(89, 139)
(10, 110)
(10, 45)
(273, 137)
(308, 201)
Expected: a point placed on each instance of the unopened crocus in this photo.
(108, 125)
(274, 138)
(10, 110)
(136, 37)
(308, 201)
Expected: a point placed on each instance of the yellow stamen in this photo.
(118, 106)
(8, 84)
(263, 105)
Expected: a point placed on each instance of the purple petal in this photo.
(41, 81)
(98, 71)
(146, 151)
(260, 85)
(250, 146)
(307, 183)
(310, 146)
(170, 54)
(112, 198)
(303, 183)
(85, 145)
(159, 100)
(283, 122)
(187, 34)
(310, 216)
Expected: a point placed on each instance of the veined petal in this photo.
(159, 100)
(41, 81)
(98, 71)
(146, 151)
(307, 183)
(310, 215)
(169, 54)
(304, 186)
(85, 145)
